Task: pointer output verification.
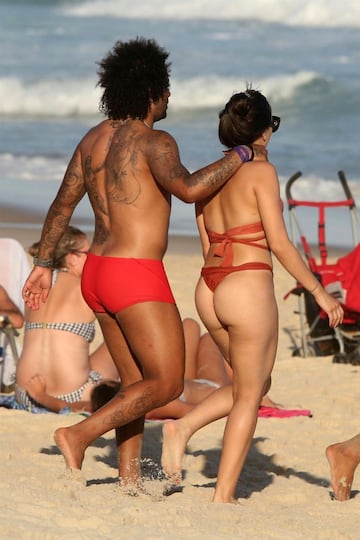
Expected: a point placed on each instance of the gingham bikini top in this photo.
(85, 330)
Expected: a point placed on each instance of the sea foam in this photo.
(325, 13)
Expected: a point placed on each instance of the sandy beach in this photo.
(284, 490)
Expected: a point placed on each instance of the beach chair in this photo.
(340, 277)
(14, 269)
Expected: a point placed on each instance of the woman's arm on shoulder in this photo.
(163, 157)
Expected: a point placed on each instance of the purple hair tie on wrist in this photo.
(243, 152)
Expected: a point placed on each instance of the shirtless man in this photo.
(343, 457)
(129, 171)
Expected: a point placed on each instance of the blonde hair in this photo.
(69, 242)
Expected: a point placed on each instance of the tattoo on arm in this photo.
(168, 170)
(71, 191)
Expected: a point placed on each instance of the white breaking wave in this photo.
(48, 97)
(31, 168)
(214, 92)
(325, 13)
(78, 97)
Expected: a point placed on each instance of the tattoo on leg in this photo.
(138, 407)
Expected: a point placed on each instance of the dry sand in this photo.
(284, 490)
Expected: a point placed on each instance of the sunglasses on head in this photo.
(275, 123)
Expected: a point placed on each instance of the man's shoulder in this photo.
(104, 126)
(95, 133)
(162, 137)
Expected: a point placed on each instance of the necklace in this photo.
(146, 124)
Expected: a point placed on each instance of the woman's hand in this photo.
(330, 305)
(36, 387)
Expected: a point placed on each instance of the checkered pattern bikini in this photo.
(23, 398)
(85, 330)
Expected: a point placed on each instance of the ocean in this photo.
(304, 55)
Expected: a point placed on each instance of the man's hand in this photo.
(260, 152)
(37, 287)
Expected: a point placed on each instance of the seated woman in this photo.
(55, 369)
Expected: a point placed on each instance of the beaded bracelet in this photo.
(244, 153)
(43, 263)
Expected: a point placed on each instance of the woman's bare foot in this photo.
(229, 500)
(173, 449)
(343, 463)
(69, 447)
(268, 402)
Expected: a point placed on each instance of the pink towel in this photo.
(274, 412)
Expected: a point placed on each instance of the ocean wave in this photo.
(24, 168)
(50, 97)
(78, 97)
(325, 13)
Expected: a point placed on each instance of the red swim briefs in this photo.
(110, 284)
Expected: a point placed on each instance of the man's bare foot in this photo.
(342, 463)
(69, 447)
(173, 449)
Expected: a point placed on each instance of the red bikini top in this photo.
(226, 239)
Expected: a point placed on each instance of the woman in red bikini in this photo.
(240, 226)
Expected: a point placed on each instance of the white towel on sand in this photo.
(14, 269)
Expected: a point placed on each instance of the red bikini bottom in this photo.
(213, 275)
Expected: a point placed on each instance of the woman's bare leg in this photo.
(253, 341)
(154, 334)
(176, 433)
(257, 345)
(210, 362)
(343, 458)
(192, 339)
